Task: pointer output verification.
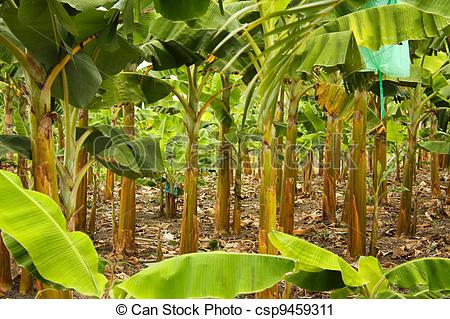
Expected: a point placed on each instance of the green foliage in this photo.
(428, 274)
(387, 25)
(207, 275)
(439, 7)
(439, 147)
(36, 222)
(17, 143)
(130, 88)
(396, 133)
(125, 156)
(182, 9)
(86, 4)
(337, 50)
(316, 267)
(84, 77)
(320, 270)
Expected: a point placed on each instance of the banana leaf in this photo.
(18, 144)
(86, 4)
(115, 150)
(39, 41)
(128, 87)
(316, 268)
(439, 147)
(370, 269)
(207, 275)
(337, 50)
(431, 274)
(388, 25)
(83, 80)
(23, 259)
(439, 7)
(170, 44)
(36, 221)
(181, 9)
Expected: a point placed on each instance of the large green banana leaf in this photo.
(47, 31)
(388, 25)
(170, 44)
(84, 81)
(439, 147)
(18, 144)
(207, 275)
(182, 9)
(431, 274)
(24, 260)
(39, 41)
(128, 87)
(370, 269)
(332, 51)
(115, 150)
(36, 222)
(86, 4)
(169, 55)
(440, 7)
(317, 268)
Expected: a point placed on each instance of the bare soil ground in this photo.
(432, 237)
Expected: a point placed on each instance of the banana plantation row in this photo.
(149, 89)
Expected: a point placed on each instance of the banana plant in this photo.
(335, 101)
(318, 269)
(62, 55)
(420, 107)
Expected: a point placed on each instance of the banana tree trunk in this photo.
(237, 209)
(109, 185)
(444, 161)
(222, 209)
(278, 146)
(321, 160)
(5, 267)
(380, 157)
(397, 162)
(404, 217)
(108, 192)
(329, 172)
(290, 170)
(356, 205)
(44, 164)
(81, 200)
(93, 211)
(171, 206)
(26, 280)
(125, 243)
(8, 96)
(337, 156)
(43, 152)
(190, 225)
(268, 199)
(22, 163)
(308, 172)
(246, 161)
(192, 119)
(435, 180)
